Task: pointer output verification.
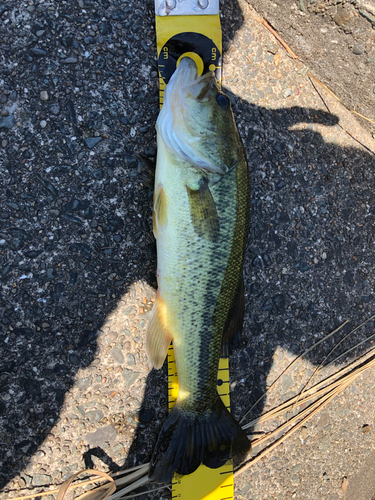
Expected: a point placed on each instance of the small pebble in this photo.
(21, 482)
(344, 484)
(106, 434)
(92, 141)
(130, 360)
(95, 416)
(117, 355)
(69, 60)
(273, 48)
(44, 95)
(74, 359)
(41, 479)
(43, 123)
(54, 108)
(38, 52)
(358, 49)
(150, 151)
(7, 122)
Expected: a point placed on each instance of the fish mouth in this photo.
(186, 77)
(186, 73)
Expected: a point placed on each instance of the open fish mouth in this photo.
(185, 74)
(186, 79)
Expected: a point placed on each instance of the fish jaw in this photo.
(174, 123)
(170, 122)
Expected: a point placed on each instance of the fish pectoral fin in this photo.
(203, 211)
(159, 214)
(157, 336)
(234, 322)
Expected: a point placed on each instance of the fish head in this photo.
(196, 121)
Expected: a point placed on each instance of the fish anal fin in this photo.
(159, 214)
(157, 336)
(203, 211)
(234, 322)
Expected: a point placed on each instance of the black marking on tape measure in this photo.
(181, 43)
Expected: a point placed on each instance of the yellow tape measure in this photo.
(198, 37)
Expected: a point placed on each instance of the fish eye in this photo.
(223, 101)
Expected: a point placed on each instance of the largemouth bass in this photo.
(201, 218)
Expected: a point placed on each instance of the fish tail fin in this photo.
(190, 438)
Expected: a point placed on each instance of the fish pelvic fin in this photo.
(147, 171)
(157, 336)
(189, 438)
(203, 212)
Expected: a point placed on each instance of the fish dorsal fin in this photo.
(159, 215)
(157, 336)
(203, 211)
(234, 322)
